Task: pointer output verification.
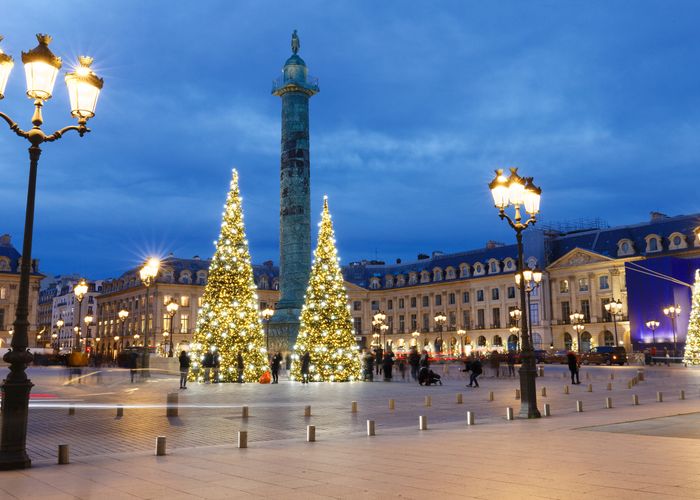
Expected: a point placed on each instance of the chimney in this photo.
(196, 257)
(398, 261)
(656, 216)
(5, 240)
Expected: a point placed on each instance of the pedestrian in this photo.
(368, 366)
(275, 367)
(305, 363)
(133, 360)
(424, 360)
(653, 355)
(402, 368)
(495, 363)
(667, 357)
(208, 364)
(378, 359)
(476, 369)
(511, 364)
(184, 368)
(414, 362)
(387, 364)
(647, 357)
(240, 367)
(216, 364)
(572, 361)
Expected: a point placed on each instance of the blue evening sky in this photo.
(419, 102)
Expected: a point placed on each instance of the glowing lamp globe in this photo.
(499, 190)
(83, 89)
(6, 64)
(41, 68)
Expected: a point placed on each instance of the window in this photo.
(426, 301)
(437, 274)
(167, 299)
(426, 323)
(511, 292)
(390, 323)
(511, 320)
(374, 283)
(537, 341)
(478, 269)
(479, 295)
(400, 280)
(566, 312)
(3, 293)
(466, 320)
(452, 298)
(375, 305)
(452, 320)
(608, 338)
(535, 314)
(465, 297)
(185, 301)
(496, 317)
(564, 286)
(402, 323)
(583, 284)
(494, 294)
(438, 300)
(200, 301)
(2, 319)
(412, 279)
(425, 277)
(586, 311)
(606, 314)
(480, 319)
(357, 306)
(450, 273)
(389, 281)
(493, 267)
(401, 303)
(390, 304)
(413, 302)
(463, 270)
(603, 282)
(568, 341)
(184, 323)
(414, 322)
(652, 245)
(357, 325)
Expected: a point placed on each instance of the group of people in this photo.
(381, 362)
(210, 364)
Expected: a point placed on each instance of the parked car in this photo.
(605, 355)
(556, 357)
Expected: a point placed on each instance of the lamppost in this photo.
(614, 308)
(461, 332)
(59, 326)
(377, 322)
(517, 191)
(673, 312)
(577, 320)
(515, 315)
(440, 319)
(79, 290)
(383, 329)
(148, 274)
(88, 319)
(122, 315)
(652, 325)
(266, 316)
(172, 308)
(532, 278)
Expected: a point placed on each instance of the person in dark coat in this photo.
(511, 364)
(305, 363)
(208, 364)
(240, 366)
(133, 364)
(184, 359)
(424, 360)
(275, 367)
(572, 361)
(368, 361)
(402, 368)
(378, 359)
(476, 370)
(387, 364)
(414, 362)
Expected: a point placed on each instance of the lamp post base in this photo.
(15, 412)
(528, 390)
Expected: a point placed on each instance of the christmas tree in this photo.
(326, 331)
(228, 322)
(691, 355)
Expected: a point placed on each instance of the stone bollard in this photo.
(307, 411)
(544, 392)
(120, 411)
(629, 384)
(310, 433)
(459, 398)
(635, 399)
(517, 393)
(160, 446)
(242, 439)
(640, 374)
(490, 395)
(509, 413)
(608, 403)
(566, 389)
(470, 418)
(612, 376)
(370, 427)
(540, 371)
(428, 401)
(659, 397)
(353, 407)
(590, 388)
(423, 423)
(609, 386)
(391, 404)
(579, 406)
(682, 394)
(63, 454)
(171, 405)
(244, 411)
(547, 410)
(71, 409)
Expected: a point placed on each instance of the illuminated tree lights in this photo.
(228, 322)
(326, 331)
(691, 355)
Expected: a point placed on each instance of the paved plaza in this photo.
(645, 451)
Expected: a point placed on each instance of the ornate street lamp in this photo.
(520, 192)
(532, 279)
(148, 274)
(377, 322)
(614, 308)
(79, 290)
(577, 320)
(59, 326)
(266, 317)
(672, 312)
(461, 332)
(122, 315)
(652, 325)
(440, 319)
(172, 308)
(88, 319)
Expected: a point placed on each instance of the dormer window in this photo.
(201, 277)
(389, 281)
(263, 283)
(425, 277)
(374, 283)
(4, 264)
(400, 280)
(677, 241)
(412, 278)
(625, 247)
(653, 243)
(437, 274)
(493, 266)
(508, 264)
(185, 277)
(478, 269)
(450, 273)
(464, 270)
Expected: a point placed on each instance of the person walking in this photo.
(133, 361)
(511, 364)
(402, 368)
(414, 363)
(240, 367)
(667, 357)
(275, 367)
(208, 364)
(572, 361)
(476, 370)
(368, 362)
(495, 363)
(184, 359)
(424, 360)
(216, 364)
(378, 359)
(305, 362)
(387, 365)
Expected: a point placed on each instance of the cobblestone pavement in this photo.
(211, 414)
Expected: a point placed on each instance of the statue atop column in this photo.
(295, 42)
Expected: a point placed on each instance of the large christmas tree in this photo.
(228, 322)
(692, 339)
(326, 327)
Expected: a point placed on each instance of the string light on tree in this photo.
(326, 326)
(691, 355)
(228, 322)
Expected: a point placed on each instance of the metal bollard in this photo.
(242, 439)
(544, 392)
(509, 413)
(579, 406)
(608, 403)
(490, 395)
(423, 423)
(370, 427)
(609, 386)
(307, 411)
(160, 446)
(428, 401)
(517, 393)
(635, 399)
(391, 404)
(63, 454)
(682, 394)
(310, 433)
(244, 411)
(470, 418)
(172, 403)
(566, 389)
(459, 398)
(547, 410)
(590, 388)
(353, 407)
(120, 411)
(659, 397)
(71, 409)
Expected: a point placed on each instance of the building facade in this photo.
(72, 313)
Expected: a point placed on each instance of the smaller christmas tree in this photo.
(691, 355)
(326, 327)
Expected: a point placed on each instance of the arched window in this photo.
(450, 273)
(625, 247)
(608, 338)
(412, 278)
(676, 241)
(653, 243)
(585, 342)
(568, 341)
(497, 340)
(263, 283)
(4, 264)
(201, 277)
(374, 283)
(464, 270)
(481, 341)
(536, 341)
(186, 277)
(513, 342)
(400, 280)
(478, 269)
(493, 266)
(389, 281)
(425, 277)
(275, 284)
(509, 264)
(437, 274)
